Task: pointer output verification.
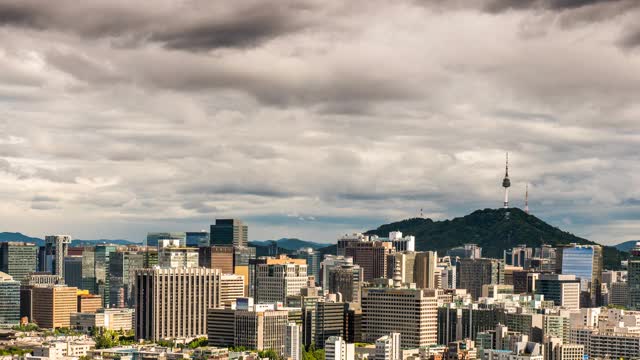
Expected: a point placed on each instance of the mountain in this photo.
(627, 245)
(19, 237)
(289, 244)
(493, 231)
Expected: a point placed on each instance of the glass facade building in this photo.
(18, 259)
(9, 300)
(229, 232)
(197, 238)
(154, 237)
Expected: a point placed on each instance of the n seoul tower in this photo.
(506, 183)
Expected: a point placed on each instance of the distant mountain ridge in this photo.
(493, 231)
(627, 245)
(289, 243)
(19, 237)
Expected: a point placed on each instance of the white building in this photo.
(172, 255)
(63, 349)
(293, 342)
(231, 288)
(108, 319)
(388, 347)
(276, 280)
(337, 349)
(402, 243)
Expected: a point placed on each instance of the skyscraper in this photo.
(633, 277)
(371, 256)
(197, 238)
(229, 232)
(477, 272)
(293, 342)
(122, 265)
(56, 248)
(52, 305)
(278, 278)
(313, 259)
(411, 312)
(18, 259)
(173, 303)
(585, 262)
(564, 290)
(425, 269)
(217, 257)
(9, 300)
(346, 280)
(73, 271)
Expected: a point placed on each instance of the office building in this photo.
(425, 269)
(619, 294)
(633, 277)
(229, 232)
(328, 320)
(221, 326)
(153, 238)
(102, 256)
(346, 280)
(468, 251)
(402, 243)
(585, 262)
(564, 290)
(197, 238)
(103, 319)
(388, 347)
(217, 257)
(55, 249)
(52, 305)
(293, 342)
(458, 321)
(231, 288)
(278, 278)
(337, 348)
(9, 300)
(313, 259)
(353, 322)
(89, 270)
(474, 272)
(330, 261)
(73, 270)
(173, 302)
(18, 259)
(261, 328)
(407, 263)
(88, 303)
(122, 265)
(346, 240)
(172, 255)
(411, 312)
(371, 256)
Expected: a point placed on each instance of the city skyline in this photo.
(314, 119)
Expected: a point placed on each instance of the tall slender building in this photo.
(473, 273)
(506, 183)
(56, 248)
(633, 277)
(18, 259)
(425, 269)
(585, 262)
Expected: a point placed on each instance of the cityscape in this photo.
(320, 180)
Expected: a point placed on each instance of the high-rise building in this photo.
(564, 290)
(173, 302)
(407, 263)
(293, 342)
(197, 238)
(402, 243)
(103, 278)
(388, 347)
(89, 270)
(473, 273)
(153, 238)
(9, 300)
(346, 280)
(346, 240)
(88, 303)
(336, 348)
(585, 262)
(633, 277)
(73, 271)
(52, 305)
(261, 328)
(56, 247)
(220, 326)
(18, 259)
(619, 294)
(231, 288)
(172, 255)
(468, 251)
(229, 232)
(122, 265)
(411, 312)
(330, 261)
(371, 256)
(217, 257)
(313, 259)
(328, 320)
(425, 269)
(278, 278)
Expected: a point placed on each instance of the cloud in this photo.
(346, 115)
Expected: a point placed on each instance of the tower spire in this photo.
(526, 199)
(506, 183)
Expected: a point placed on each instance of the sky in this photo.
(316, 118)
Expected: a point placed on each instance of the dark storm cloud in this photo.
(502, 5)
(191, 25)
(631, 39)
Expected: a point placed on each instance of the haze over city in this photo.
(312, 119)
